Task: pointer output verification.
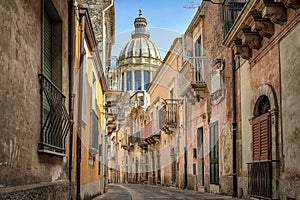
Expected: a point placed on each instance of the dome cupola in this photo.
(140, 48)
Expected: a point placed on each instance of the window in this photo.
(146, 79)
(94, 118)
(137, 77)
(194, 153)
(198, 60)
(214, 153)
(56, 121)
(129, 80)
(85, 89)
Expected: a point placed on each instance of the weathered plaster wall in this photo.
(20, 58)
(290, 73)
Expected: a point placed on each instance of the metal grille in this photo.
(260, 179)
(231, 12)
(57, 122)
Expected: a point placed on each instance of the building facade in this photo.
(35, 89)
(266, 51)
(59, 149)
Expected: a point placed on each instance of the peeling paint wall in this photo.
(290, 73)
(20, 102)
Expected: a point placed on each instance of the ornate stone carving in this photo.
(243, 50)
(295, 4)
(263, 26)
(275, 11)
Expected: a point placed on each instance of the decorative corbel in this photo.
(294, 4)
(252, 39)
(242, 50)
(263, 26)
(275, 11)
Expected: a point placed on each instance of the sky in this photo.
(167, 19)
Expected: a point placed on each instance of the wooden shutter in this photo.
(261, 141)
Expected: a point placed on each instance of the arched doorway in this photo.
(264, 170)
(260, 170)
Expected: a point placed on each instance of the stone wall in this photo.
(290, 84)
(20, 102)
(44, 191)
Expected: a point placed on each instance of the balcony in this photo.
(191, 81)
(56, 121)
(260, 179)
(150, 137)
(168, 117)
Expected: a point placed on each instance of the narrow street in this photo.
(141, 192)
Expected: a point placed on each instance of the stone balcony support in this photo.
(294, 4)
(263, 26)
(275, 11)
(243, 50)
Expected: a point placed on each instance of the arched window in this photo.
(129, 80)
(146, 79)
(137, 76)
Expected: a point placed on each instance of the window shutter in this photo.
(47, 62)
(47, 46)
(261, 137)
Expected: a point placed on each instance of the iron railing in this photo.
(168, 115)
(231, 11)
(260, 179)
(56, 121)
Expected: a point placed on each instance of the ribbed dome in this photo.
(140, 45)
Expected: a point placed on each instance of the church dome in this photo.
(140, 47)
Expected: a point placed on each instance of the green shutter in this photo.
(47, 46)
(47, 62)
(214, 153)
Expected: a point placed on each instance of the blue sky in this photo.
(167, 19)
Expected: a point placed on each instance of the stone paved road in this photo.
(149, 192)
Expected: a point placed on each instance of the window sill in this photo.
(45, 151)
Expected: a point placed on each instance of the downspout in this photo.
(104, 34)
(185, 144)
(78, 140)
(234, 126)
(71, 87)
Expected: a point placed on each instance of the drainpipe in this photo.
(78, 141)
(71, 87)
(234, 126)
(104, 34)
(185, 148)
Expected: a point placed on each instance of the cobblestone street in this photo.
(141, 192)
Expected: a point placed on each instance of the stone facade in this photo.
(262, 38)
(21, 47)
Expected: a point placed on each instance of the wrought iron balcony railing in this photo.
(260, 179)
(56, 121)
(168, 116)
